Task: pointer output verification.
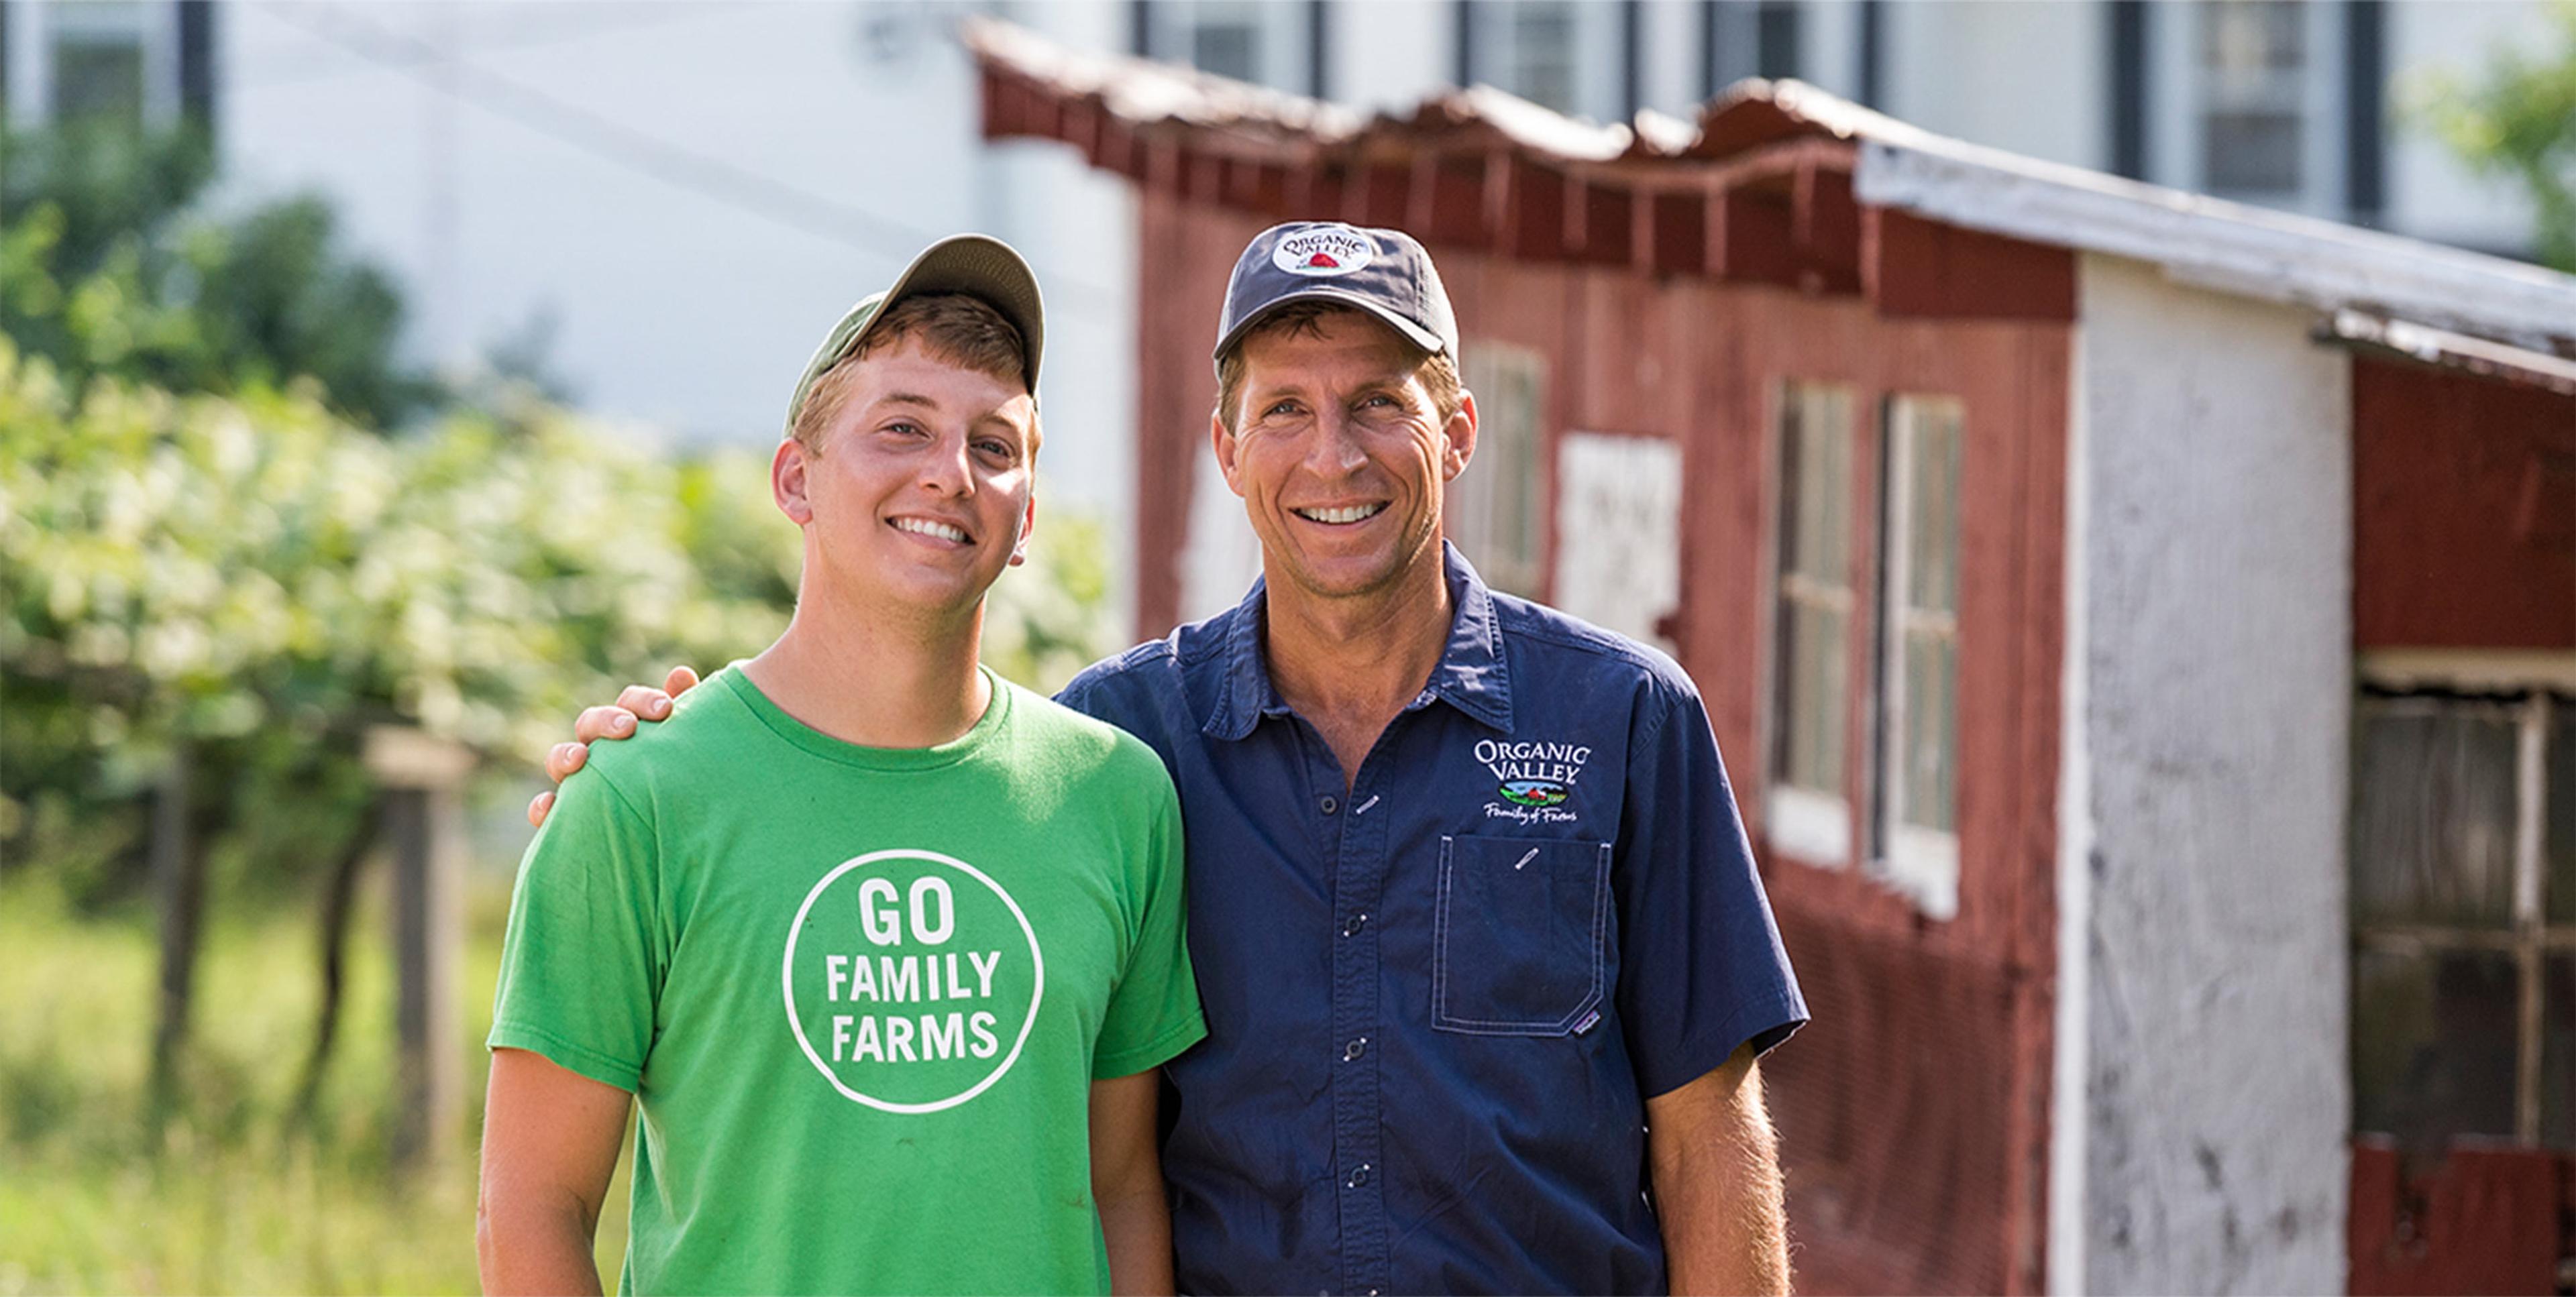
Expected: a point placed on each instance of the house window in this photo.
(1808, 806)
(1501, 499)
(2254, 78)
(2464, 918)
(1918, 666)
(1246, 40)
(1557, 53)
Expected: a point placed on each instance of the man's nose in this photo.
(945, 470)
(1336, 447)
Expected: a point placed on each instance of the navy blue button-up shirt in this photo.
(1438, 999)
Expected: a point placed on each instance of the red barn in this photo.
(2143, 630)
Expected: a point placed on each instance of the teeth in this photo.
(925, 527)
(1347, 513)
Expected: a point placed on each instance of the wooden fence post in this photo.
(422, 777)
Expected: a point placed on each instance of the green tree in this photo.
(112, 263)
(2517, 118)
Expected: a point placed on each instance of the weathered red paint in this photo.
(2475, 1221)
(2464, 510)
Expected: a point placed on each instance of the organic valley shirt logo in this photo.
(1535, 779)
(912, 980)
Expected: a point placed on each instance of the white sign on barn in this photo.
(1618, 529)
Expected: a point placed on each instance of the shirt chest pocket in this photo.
(1518, 932)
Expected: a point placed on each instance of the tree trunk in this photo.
(336, 904)
(179, 883)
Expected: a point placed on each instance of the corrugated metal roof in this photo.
(2227, 247)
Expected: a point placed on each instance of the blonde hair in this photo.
(954, 327)
(1438, 371)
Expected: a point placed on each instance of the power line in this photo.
(712, 178)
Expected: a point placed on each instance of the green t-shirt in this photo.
(860, 994)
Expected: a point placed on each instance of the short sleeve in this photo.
(579, 964)
(1702, 970)
(1154, 1010)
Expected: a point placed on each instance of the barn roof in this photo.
(1775, 181)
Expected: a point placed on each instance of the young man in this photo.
(1486, 960)
(883, 950)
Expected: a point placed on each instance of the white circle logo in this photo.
(1324, 253)
(904, 970)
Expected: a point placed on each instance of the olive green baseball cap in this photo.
(978, 265)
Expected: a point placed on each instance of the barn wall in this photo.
(2464, 511)
(2207, 1145)
(1914, 1111)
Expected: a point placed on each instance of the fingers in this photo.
(564, 758)
(680, 681)
(603, 723)
(645, 701)
(537, 808)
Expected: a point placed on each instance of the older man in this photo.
(1484, 958)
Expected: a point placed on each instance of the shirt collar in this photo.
(1472, 675)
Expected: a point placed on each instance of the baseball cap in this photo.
(1383, 272)
(978, 265)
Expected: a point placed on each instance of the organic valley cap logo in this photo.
(1327, 252)
(912, 980)
(1535, 774)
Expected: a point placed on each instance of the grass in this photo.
(230, 1193)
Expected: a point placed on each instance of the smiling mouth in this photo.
(1343, 515)
(931, 528)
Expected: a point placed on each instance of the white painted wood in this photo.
(1814, 828)
(2207, 941)
(1618, 532)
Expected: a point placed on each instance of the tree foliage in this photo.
(2516, 118)
(111, 262)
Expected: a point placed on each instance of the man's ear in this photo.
(1223, 438)
(1461, 431)
(787, 481)
(1028, 528)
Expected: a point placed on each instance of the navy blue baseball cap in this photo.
(1383, 272)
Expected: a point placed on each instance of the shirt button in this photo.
(1359, 1176)
(1352, 928)
(1354, 1049)
(1328, 806)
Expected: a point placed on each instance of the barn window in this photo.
(1807, 810)
(2464, 918)
(1500, 514)
(1915, 830)
(1557, 53)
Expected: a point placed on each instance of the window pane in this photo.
(1815, 721)
(1499, 501)
(1227, 49)
(2432, 816)
(1823, 484)
(101, 79)
(2558, 1053)
(2252, 152)
(2433, 1044)
(2561, 844)
(1931, 727)
(1932, 541)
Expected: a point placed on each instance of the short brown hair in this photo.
(1438, 371)
(960, 329)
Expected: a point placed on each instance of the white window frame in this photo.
(1511, 455)
(1280, 36)
(1920, 862)
(2179, 98)
(1812, 824)
(1596, 59)
(36, 29)
(2530, 938)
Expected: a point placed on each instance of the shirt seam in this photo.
(598, 1066)
(1153, 1053)
(1728, 1032)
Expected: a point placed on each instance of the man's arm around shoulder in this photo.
(1716, 1173)
(550, 1138)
